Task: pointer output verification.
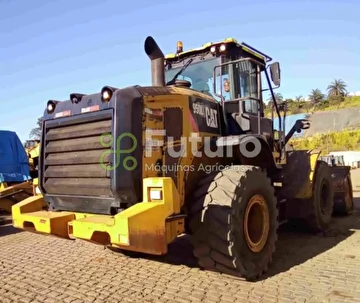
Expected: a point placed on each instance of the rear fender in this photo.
(298, 174)
(340, 174)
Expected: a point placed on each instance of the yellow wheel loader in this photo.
(32, 148)
(16, 179)
(135, 167)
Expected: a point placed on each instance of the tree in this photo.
(316, 96)
(299, 98)
(35, 133)
(337, 88)
(278, 97)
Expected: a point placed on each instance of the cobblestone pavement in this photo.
(306, 268)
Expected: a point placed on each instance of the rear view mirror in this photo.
(275, 73)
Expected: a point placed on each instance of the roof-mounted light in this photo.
(222, 47)
(107, 93)
(213, 49)
(179, 47)
(51, 105)
(76, 98)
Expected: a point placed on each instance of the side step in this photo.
(54, 223)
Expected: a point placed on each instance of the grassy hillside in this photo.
(294, 107)
(347, 139)
(332, 141)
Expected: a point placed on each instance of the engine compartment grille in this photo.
(72, 159)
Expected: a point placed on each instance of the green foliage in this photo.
(337, 98)
(337, 88)
(332, 141)
(35, 133)
(332, 103)
(316, 97)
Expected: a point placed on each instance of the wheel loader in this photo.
(32, 148)
(135, 167)
(17, 181)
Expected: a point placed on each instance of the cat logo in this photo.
(211, 117)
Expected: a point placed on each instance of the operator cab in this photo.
(231, 73)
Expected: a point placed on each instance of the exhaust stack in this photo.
(157, 61)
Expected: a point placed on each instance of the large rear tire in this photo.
(322, 202)
(344, 202)
(234, 222)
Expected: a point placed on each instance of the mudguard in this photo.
(298, 174)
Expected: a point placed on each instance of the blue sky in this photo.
(49, 49)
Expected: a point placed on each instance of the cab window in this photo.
(199, 74)
(246, 72)
(224, 82)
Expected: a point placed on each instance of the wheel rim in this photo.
(256, 223)
(324, 197)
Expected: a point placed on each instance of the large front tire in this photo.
(234, 222)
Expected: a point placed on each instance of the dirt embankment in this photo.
(332, 121)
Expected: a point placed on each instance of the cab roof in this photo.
(242, 45)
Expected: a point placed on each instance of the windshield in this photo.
(199, 74)
(233, 80)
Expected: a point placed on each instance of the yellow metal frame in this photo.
(299, 173)
(306, 190)
(209, 45)
(10, 194)
(34, 152)
(148, 226)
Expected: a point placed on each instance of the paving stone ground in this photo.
(306, 268)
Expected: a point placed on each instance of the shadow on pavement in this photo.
(6, 227)
(179, 253)
(294, 246)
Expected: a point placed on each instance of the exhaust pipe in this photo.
(157, 61)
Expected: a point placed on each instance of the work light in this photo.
(51, 105)
(107, 92)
